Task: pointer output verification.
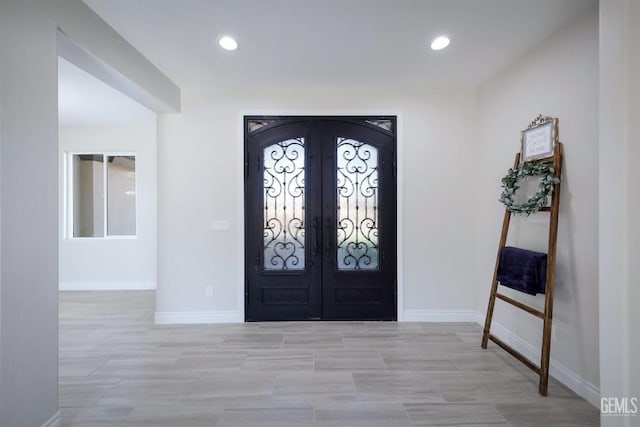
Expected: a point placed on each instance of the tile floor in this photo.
(118, 369)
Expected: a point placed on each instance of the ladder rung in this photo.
(535, 368)
(520, 305)
(545, 209)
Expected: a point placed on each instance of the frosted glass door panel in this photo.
(284, 204)
(357, 225)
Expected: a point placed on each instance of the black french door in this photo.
(320, 218)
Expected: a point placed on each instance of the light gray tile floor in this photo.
(118, 369)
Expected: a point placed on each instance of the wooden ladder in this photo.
(547, 315)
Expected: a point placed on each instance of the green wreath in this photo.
(538, 200)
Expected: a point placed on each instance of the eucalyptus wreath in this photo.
(538, 200)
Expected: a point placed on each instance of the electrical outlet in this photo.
(209, 291)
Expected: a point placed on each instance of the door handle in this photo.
(327, 241)
(316, 229)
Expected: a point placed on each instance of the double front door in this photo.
(320, 226)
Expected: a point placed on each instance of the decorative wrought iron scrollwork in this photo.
(357, 215)
(284, 204)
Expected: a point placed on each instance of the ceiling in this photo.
(334, 43)
(322, 44)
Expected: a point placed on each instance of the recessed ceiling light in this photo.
(440, 43)
(228, 43)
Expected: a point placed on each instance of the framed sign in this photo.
(539, 139)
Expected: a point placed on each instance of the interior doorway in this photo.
(107, 186)
(320, 218)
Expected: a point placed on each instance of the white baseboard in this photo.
(132, 285)
(54, 421)
(195, 317)
(566, 376)
(439, 316)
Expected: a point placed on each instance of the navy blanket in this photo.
(523, 270)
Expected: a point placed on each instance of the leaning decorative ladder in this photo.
(547, 315)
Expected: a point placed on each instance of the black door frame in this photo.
(273, 121)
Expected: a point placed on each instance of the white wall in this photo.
(633, 154)
(559, 78)
(29, 192)
(28, 171)
(200, 179)
(113, 263)
(1, 340)
(619, 202)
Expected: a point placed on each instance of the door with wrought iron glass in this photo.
(320, 226)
